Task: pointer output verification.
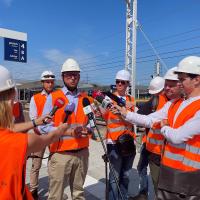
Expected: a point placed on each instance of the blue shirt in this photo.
(71, 96)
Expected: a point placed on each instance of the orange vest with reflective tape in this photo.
(155, 141)
(13, 147)
(115, 126)
(40, 100)
(74, 120)
(184, 156)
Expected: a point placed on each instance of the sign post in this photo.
(15, 45)
(15, 50)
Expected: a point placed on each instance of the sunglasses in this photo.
(70, 75)
(120, 81)
(49, 76)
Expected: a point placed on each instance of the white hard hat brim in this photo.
(7, 88)
(155, 91)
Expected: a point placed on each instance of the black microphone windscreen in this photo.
(85, 102)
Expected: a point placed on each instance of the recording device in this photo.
(88, 111)
(69, 109)
(115, 98)
(59, 103)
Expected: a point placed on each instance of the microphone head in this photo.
(115, 98)
(70, 107)
(97, 93)
(59, 103)
(85, 102)
(86, 106)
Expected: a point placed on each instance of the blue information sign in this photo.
(15, 50)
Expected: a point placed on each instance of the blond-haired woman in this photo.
(15, 147)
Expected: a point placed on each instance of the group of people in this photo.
(173, 139)
(170, 147)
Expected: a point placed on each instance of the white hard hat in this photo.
(70, 65)
(170, 75)
(6, 80)
(156, 85)
(190, 64)
(47, 75)
(123, 75)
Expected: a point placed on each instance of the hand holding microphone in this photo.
(59, 103)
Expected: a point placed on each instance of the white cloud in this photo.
(54, 55)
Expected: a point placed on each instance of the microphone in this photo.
(115, 98)
(59, 103)
(105, 102)
(69, 109)
(88, 111)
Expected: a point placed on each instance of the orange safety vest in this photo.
(184, 156)
(13, 147)
(115, 126)
(155, 141)
(40, 100)
(74, 120)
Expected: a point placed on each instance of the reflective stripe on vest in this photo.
(74, 120)
(40, 100)
(155, 140)
(185, 156)
(115, 126)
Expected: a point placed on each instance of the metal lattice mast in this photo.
(131, 33)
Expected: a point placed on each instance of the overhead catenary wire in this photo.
(153, 48)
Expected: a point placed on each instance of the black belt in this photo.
(73, 150)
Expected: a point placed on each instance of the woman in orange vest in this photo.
(15, 148)
(180, 165)
(116, 128)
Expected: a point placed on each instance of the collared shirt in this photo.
(32, 107)
(176, 136)
(71, 96)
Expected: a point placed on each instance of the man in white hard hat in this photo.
(68, 163)
(179, 121)
(36, 108)
(157, 100)
(116, 128)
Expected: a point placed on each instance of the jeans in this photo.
(122, 168)
(142, 170)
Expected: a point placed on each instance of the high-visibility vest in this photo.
(155, 141)
(115, 126)
(40, 100)
(75, 119)
(13, 149)
(184, 156)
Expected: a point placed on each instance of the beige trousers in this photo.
(65, 169)
(35, 169)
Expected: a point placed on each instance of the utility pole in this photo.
(131, 33)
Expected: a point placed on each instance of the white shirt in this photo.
(176, 136)
(32, 107)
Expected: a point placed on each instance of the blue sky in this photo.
(93, 32)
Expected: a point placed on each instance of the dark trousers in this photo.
(142, 170)
(122, 167)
